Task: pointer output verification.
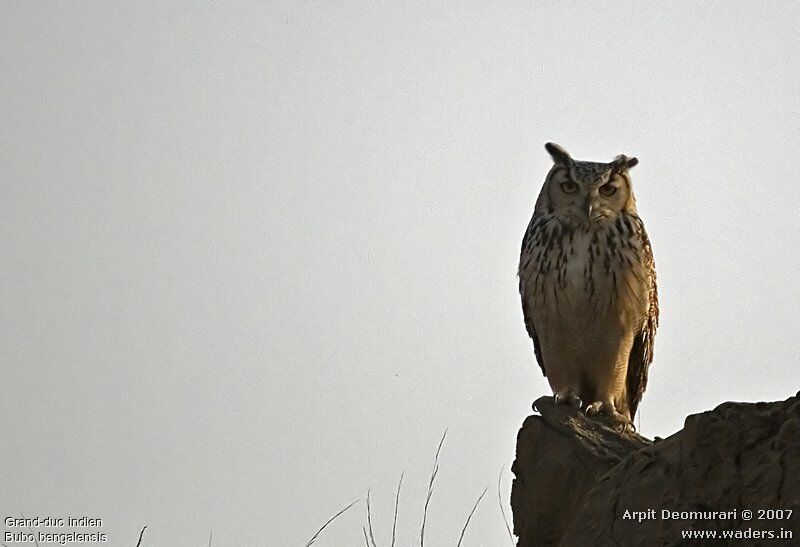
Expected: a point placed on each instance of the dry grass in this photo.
(430, 490)
(396, 504)
(469, 517)
(367, 529)
(369, 522)
(502, 510)
(334, 517)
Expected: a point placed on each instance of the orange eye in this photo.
(608, 190)
(569, 187)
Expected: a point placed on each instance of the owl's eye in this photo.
(569, 187)
(608, 190)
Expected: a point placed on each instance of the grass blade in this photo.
(334, 517)
(396, 503)
(463, 530)
(502, 510)
(430, 490)
(369, 521)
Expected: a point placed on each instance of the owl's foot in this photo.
(619, 421)
(568, 397)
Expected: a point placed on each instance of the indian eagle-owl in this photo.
(588, 285)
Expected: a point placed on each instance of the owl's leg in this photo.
(564, 380)
(569, 397)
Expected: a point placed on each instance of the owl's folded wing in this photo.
(526, 291)
(642, 351)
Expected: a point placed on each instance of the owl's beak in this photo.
(592, 210)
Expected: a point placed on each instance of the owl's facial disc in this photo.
(586, 193)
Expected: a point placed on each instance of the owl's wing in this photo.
(526, 289)
(642, 351)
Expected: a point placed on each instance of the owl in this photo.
(587, 280)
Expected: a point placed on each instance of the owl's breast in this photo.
(591, 277)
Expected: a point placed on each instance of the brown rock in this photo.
(577, 485)
(560, 456)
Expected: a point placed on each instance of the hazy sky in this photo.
(256, 257)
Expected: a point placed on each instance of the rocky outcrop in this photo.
(579, 482)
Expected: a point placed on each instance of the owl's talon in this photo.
(594, 408)
(620, 424)
(575, 402)
(569, 398)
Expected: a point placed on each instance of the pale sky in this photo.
(257, 256)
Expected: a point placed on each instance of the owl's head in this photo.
(584, 192)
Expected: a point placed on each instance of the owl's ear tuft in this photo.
(622, 163)
(558, 154)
